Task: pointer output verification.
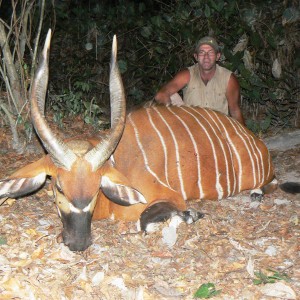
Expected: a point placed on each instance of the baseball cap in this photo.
(208, 40)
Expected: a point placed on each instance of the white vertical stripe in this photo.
(176, 152)
(218, 187)
(231, 144)
(269, 164)
(233, 124)
(260, 160)
(230, 148)
(136, 132)
(165, 150)
(195, 150)
(218, 134)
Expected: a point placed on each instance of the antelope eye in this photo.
(59, 189)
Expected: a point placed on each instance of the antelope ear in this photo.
(25, 181)
(18, 187)
(115, 187)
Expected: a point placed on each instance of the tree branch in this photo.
(33, 65)
(16, 141)
(11, 70)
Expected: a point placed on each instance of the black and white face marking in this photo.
(66, 206)
(76, 219)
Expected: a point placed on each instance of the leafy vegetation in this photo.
(156, 39)
(206, 290)
(72, 102)
(262, 278)
(260, 44)
(3, 240)
(18, 51)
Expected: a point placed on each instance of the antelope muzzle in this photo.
(77, 230)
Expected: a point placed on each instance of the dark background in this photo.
(156, 39)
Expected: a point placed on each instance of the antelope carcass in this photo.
(144, 168)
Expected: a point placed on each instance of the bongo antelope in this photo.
(144, 168)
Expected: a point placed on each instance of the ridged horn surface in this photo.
(61, 155)
(101, 152)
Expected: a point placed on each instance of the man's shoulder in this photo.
(193, 67)
(193, 70)
(183, 73)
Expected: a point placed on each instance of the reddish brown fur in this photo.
(131, 164)
(129, 168)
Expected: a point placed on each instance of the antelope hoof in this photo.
(256, 195)
(155, 214)
(160, 212)
(190, 216)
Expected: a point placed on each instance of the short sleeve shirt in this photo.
(213, 94)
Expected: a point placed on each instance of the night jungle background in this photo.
(259, 39)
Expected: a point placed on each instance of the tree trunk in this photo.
(13, 78)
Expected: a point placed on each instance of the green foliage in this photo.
(3, 240)
(82, 86)
(262, 278)
(206, 290)
(122, 65)
(260, 126)
(156, 39)
(92, 114)
(78, 101)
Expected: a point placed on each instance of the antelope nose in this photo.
(78, 245)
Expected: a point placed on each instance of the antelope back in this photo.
(197, 152)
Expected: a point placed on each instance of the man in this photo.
(205, 84)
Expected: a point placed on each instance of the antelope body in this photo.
(146, 166)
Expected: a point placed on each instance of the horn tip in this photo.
(47, 42)
(114, 46)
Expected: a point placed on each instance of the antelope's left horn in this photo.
(61, 155)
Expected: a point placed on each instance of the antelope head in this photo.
(79, 170)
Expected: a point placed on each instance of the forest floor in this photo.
(236, 242)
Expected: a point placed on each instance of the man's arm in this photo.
(234, 99)
(180, 80)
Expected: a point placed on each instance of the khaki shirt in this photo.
(212, 95)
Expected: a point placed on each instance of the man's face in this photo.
(206, 57)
